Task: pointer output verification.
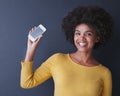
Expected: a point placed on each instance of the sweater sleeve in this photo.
(31, 79)
(107, 90)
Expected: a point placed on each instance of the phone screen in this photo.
(38, 31)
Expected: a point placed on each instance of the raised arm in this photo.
(31, 48)
(29, 78)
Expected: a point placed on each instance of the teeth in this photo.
(82, 44)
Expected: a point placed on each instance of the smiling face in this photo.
(85, 37)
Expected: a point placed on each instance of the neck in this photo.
(84, 58)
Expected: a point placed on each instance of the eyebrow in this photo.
(85, 31)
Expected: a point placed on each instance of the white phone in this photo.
(33, 36)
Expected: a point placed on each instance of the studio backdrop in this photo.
(17, 17)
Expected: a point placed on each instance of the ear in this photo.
(97, 39)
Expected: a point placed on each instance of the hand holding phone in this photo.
(33, 36)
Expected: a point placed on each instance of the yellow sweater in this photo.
(70, 79)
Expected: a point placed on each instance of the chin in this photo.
(84, 49)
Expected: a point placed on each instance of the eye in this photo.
(77, 34)
(89, 34)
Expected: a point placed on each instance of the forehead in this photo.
(84, 27)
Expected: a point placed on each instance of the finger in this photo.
(32, 29)
(39, 38)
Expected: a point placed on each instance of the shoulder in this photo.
(57, 56)
(105, 70)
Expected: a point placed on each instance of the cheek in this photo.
(74, 41)
(91, 40)
(74, 38)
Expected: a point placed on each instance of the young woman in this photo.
(78, 73)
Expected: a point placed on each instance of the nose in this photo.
(82, 37)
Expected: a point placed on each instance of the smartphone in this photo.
(33, 36)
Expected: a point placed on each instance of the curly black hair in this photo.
(94, 17)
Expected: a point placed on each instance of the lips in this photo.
(82, 44)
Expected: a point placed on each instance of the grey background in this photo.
(17, 17)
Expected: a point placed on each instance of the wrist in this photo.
(29, 55)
